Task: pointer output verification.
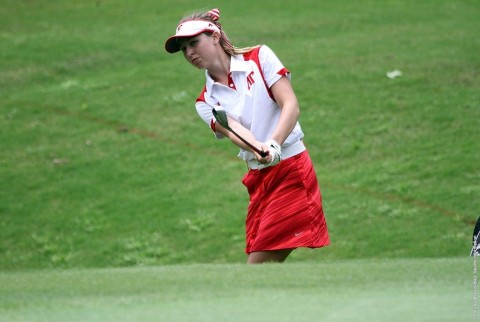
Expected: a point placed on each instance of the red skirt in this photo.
(285, 209)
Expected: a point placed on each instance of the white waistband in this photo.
(288, 152)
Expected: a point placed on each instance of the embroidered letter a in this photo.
(250, 80)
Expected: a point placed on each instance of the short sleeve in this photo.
(272, 67)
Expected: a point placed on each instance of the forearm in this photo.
(286, 123)
(287, 102)
(242, 132)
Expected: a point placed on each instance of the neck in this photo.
(221, 68)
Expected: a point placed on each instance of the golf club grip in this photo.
(263, 154)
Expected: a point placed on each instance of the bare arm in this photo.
(244, 133)
(287, 101)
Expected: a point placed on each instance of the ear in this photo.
(216, 37)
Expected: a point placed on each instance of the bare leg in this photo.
(277, 256)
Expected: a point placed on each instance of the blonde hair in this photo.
(224, 41)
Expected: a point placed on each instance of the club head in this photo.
(221, 117)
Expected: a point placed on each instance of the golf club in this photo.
(221, 117)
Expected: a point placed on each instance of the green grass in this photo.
(106, 164)
(353, 290)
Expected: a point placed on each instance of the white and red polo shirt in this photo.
(248, 99)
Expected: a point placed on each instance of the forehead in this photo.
(184, 40)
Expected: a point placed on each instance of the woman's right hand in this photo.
(262, 147)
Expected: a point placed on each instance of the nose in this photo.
(189, 51)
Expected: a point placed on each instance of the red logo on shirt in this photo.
(250, 80)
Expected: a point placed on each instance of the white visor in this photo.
(188, 29)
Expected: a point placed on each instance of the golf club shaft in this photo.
(222, 119)
(262, 153)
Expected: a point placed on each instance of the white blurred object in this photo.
(393, 74)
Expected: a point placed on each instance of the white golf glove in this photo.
(275, 151)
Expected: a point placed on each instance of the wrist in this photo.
(274, 144)
(275, 150)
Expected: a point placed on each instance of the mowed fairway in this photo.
(354, 290)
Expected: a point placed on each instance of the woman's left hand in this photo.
(274, 155)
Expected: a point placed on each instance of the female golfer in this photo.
(253, 87)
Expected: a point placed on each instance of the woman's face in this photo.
(199, 50)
